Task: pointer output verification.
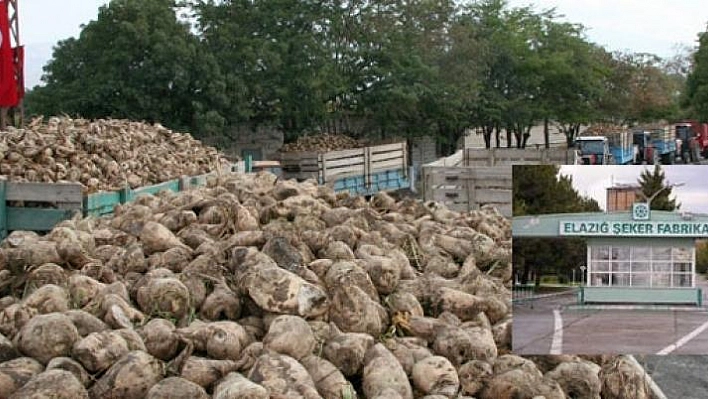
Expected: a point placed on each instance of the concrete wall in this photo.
(262, 143)
(422, 150)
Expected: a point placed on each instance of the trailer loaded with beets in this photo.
(650, 144)
(615, 147)
(356, 169)
(655, 144)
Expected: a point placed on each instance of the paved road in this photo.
(533, 327)
(635, 331)
(678, 376)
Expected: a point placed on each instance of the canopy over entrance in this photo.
(614, 224)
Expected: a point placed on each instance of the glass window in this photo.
(600, 252)
(662, 266)
(599, 279)
(592, 146)
(661, 253)
(641, 266)
(601, 266)
(684, 267)
(620, 253)
(682, 254)
(640, 280)
(661, 280)
(620, 279)
(682, 280)
(620, 266)
(641, 253)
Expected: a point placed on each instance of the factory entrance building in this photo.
(634, 256)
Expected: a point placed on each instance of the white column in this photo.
(693, 265)
(588, 280)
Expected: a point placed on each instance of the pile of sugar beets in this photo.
(102, 154)
(254, 287)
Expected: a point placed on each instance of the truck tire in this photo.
(672, 158)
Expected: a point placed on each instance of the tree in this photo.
(640, 88)
(136, 61)
(398, 68)
(654, 182)
(696, 94)
(702, 256)
(274, 57)
(540, 189)
(573, 86)
(509, 72)
(458, 87)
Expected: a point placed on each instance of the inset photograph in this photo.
(610, 259)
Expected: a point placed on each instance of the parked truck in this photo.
(695, 134)
(655, 145)
(687, 142)
(645, 148)
(592, 150)
(616, 148)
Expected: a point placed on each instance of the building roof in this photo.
(624, 186)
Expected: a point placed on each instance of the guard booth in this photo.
(634, 256)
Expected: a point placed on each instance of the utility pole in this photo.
(666, 187)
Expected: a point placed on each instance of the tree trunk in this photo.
(526, 272)
(537, 283)
(451, 139)
(546, 135)
(516, 128)
(569, 135)
(527, 134)
(487, 133)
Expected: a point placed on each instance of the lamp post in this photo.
(573, 279)
(582, 275)
(666, 187)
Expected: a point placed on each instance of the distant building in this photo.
(620, 197)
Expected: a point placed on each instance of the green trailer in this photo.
(40, 206)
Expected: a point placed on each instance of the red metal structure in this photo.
(12, 87)
(695, 134)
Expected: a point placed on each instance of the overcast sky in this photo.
(652, 26)
(593, 180)
(638, 26)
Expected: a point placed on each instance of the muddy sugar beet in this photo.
(254, 287)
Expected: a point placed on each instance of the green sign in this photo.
(633, 229)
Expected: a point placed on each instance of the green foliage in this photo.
(401, 68)
(639, 88)
(653, 184)
(273, 57)
(539, 189)
(696, 93)
(136, 61)
(702, 257)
